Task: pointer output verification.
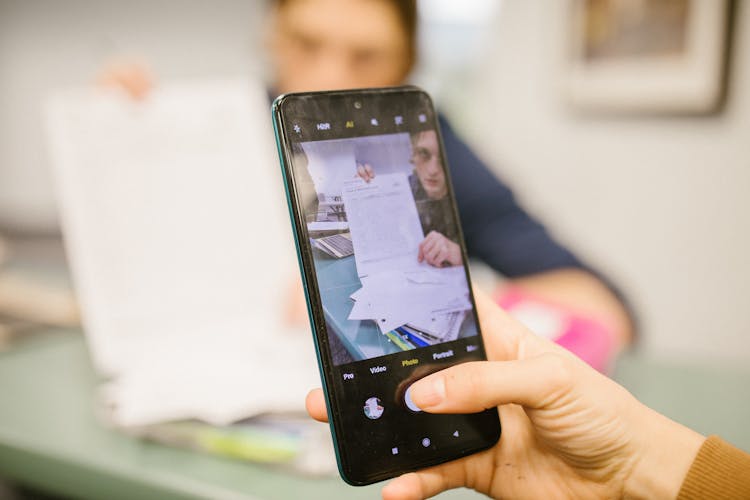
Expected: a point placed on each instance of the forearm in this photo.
(581, 291)
(667, 450)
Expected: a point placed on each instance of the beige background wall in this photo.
(47, 44)
(663, 204)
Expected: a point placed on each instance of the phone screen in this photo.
(385, 271)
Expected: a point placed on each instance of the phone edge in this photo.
(287, 172)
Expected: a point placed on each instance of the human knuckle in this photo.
(470, 381)
(560, 370)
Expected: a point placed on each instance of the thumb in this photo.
(475, 386)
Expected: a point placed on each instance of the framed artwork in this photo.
(647, 56)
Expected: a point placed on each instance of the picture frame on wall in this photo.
(647, 56)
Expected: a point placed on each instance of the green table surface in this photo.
(51, 439)
(338, 279)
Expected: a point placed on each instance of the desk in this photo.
(337, 279)
(711, 398)
(50, 438)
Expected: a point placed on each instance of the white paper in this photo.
(443, 326)
(396, 288)
(393, 298)
(175, 222)
(255, 377)
(384, 224)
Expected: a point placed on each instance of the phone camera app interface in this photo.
(373, 408)
(383, 240)
(386, 245)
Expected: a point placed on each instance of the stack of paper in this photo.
(423, 298)
(399, 293)
(175, 223)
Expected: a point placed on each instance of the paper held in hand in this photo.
(397, 289)
(174, 221)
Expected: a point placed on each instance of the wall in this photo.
(46, 44)
(661, 204)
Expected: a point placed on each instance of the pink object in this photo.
(586, 337)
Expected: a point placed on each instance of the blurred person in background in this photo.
(338, 44)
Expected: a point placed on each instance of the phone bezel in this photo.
(309, 275)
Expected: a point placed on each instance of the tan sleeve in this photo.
(719, 471)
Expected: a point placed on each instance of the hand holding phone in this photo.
(384, 271)
(575, 432)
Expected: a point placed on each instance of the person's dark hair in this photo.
(407, 14)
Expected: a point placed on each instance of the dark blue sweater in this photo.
(496, 229)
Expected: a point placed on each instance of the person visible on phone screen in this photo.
(440, 246)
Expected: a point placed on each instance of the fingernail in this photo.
(428, 393)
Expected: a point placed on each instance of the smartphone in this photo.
(384, 272)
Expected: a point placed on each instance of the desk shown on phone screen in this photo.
(338, 279)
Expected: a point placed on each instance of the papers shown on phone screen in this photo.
(384, 224)
(398, 290)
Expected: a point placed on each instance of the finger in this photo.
(132, 77)
(316, 405)
(427, 482)
(433, 237)
(427, 246)
(361, 171)
(445, 252)
(139, 82)
(476, 386)
(429, 253)
(454, 253)
(503, 336)
(431, 258)
(441, 257)
(429, 243)
(295, 307)
(506, 338)
(433, 254)
(369, 171)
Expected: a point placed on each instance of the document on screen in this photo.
(384, 224)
